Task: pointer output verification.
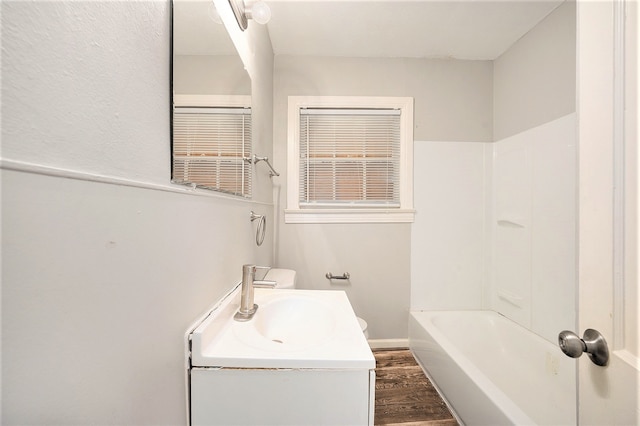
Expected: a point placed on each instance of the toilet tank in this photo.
(284, 278)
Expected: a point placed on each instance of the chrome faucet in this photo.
(247, 307)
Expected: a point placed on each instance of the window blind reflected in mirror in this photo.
(212, 148)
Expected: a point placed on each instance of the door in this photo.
(607, 68)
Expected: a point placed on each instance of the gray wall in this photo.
(453, 98)
(105, 264)
(535, 80)
(210, 75)
(453, 102)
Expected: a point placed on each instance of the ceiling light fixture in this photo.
(258, 11)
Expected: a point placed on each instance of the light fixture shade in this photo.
(260, 12)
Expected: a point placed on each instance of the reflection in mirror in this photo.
(211, 117)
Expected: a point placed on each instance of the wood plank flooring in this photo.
(404, 395)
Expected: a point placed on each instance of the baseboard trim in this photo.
(388, 343)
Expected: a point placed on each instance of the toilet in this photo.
(286, 278)
(363, 326)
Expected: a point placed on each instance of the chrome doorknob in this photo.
(592, 343)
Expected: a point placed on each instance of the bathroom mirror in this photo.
(211, 100)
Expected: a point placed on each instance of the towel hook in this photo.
(262, 226)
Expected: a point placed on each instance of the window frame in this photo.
(404, 213)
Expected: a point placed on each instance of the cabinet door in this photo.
(280, 397)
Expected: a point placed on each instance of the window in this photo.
(350, 160)
(212, 145)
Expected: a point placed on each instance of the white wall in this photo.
(452, 103)
(534, 227)
(104, 263)
(448, 241)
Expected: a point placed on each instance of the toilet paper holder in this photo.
(344, 276)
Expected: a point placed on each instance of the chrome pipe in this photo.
(272, 171)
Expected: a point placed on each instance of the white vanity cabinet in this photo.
(279, 397)
(301, 360)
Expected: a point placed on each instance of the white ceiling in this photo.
(462, 29)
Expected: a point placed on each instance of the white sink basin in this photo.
(290, 329)
(294, 321)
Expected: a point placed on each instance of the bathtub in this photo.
(492, 371)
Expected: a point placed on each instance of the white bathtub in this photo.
(493, 371)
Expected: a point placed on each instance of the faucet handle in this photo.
(264, 270)
(265, 283)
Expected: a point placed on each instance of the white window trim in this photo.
(403, 214)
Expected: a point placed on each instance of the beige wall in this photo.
(535, 80)
(452, 102)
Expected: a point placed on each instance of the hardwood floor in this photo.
(404, 395)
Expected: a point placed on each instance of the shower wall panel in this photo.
(448, 236)
(534, 221)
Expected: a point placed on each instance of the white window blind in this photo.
(349, 157)
(210, 148)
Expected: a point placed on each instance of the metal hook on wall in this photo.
(262, 226)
